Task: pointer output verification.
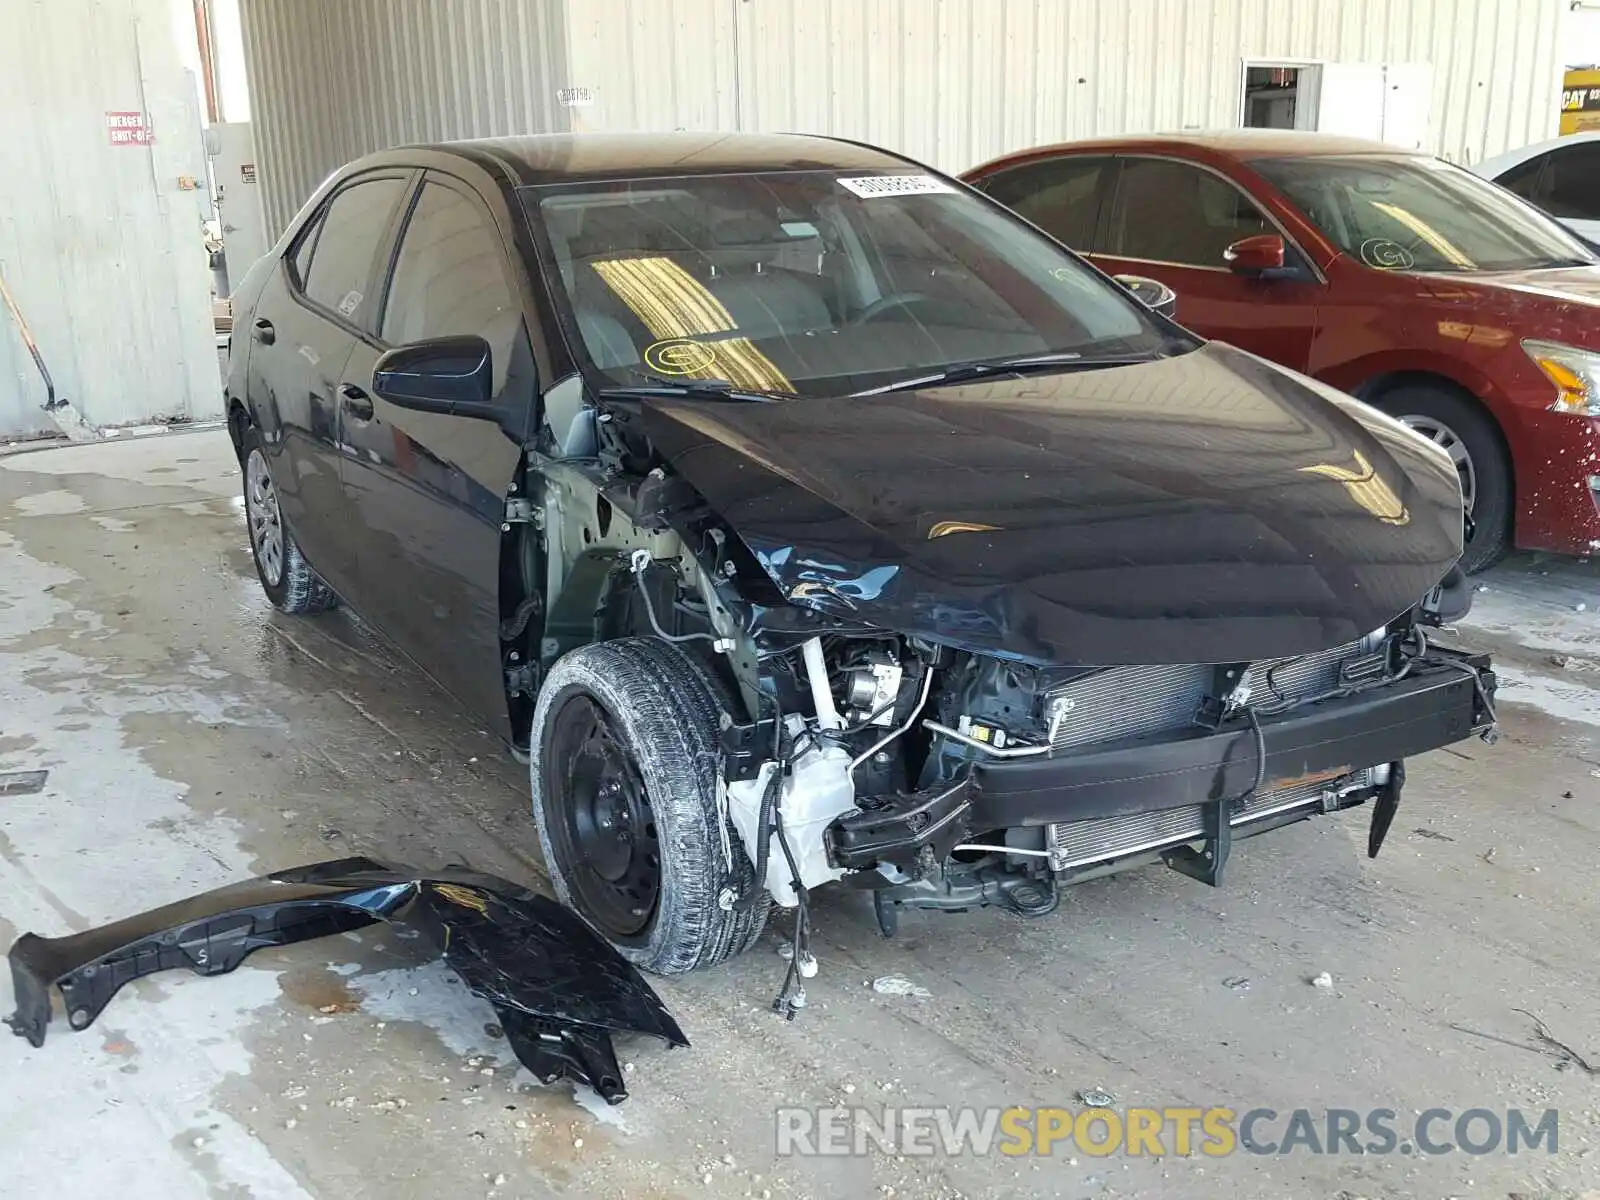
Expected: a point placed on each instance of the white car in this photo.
(1561, 176)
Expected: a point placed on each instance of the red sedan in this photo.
(1424, 290)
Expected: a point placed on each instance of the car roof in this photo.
(1231, 143)
(1491, 168)
(576, 157)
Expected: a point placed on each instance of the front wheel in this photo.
(623, 764)
(285, 576)
(1460, 428)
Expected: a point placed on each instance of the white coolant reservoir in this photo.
(815, 792)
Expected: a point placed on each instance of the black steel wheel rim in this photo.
(602, 828)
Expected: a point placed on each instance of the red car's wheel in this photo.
(1461, 428)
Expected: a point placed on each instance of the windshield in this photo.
(818, 282)
(1421, 214)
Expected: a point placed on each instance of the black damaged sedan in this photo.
(804, 516)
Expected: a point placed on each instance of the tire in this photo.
(652, 762)
(1461, 427)
(286, 577)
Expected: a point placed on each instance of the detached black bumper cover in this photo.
(1441, 701)
(558, 989)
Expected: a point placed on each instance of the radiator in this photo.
(1081, 843)
(1124, 702)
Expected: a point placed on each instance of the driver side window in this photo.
(1164, 211)
(450, 276)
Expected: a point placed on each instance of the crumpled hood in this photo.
(1204, 508)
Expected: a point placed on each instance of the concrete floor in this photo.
(194, 737)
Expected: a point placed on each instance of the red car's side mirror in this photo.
(1252, 255)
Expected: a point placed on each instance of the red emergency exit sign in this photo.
(129, 129)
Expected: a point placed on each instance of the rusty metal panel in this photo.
(100, 240)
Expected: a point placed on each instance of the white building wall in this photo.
(654, 64)
(955, 82)
(952, 82)
(331, 80)
(98, 243)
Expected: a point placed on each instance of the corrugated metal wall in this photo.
(949, 81)
(955, 82)
(655, 64)
(331, 80)
(100, 247)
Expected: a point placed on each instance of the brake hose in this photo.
(769, 800)
(511, 628)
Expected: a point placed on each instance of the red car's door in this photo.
(1172, 220)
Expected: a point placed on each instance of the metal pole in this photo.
(50, 403)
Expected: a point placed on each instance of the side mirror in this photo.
(1253, 255)
(444, 375)
(1152, 293)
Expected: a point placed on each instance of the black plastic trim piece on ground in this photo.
(558, 990)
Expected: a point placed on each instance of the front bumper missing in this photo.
(558, 990)
(1312, 753)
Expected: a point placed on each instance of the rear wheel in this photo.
(285, 576)
(1461, 428)
(623, 765)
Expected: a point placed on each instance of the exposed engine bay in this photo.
(931, 773)
(870, 772)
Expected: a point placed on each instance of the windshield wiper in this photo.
(1015, 365)
(694, 389)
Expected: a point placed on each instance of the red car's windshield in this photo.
(1407, 213)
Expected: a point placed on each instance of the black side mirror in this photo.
(452, 375)
(1152, 293)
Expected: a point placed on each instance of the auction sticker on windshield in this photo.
(870, 186)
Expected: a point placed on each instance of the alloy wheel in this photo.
(1441, 435)
(264, 518)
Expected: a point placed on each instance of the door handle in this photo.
(265, 334)
(355, 402)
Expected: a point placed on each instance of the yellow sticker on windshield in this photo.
(679, 356)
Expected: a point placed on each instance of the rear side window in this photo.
(340, 274)
(1060, 196)
(1172, 212)
(1572, 182)
(450, 277)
